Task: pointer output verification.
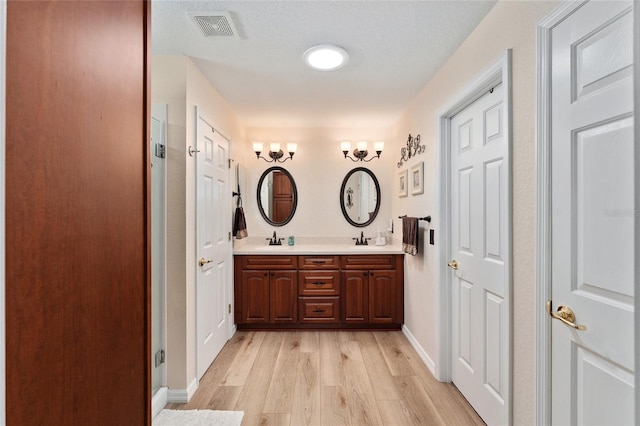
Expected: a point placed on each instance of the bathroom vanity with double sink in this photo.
(329, 285)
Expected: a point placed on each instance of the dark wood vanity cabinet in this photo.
(319, 291)
(370, 290)
(266, 293)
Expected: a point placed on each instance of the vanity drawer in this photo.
(319, 310)
(366, 261)
(269, 262)
(318, 283)
(319, 262)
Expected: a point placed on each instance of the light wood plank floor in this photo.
(328, 378)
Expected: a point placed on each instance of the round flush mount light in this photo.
(326, 57)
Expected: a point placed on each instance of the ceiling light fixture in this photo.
(326, 57)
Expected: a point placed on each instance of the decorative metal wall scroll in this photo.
(413, 148)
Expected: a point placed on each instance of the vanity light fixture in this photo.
(325, 57)
(361, 152)
(275, 153)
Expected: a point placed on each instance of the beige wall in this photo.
(509, 25)
(177, 82)
(318, 169)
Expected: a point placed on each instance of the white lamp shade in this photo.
(378, 146)
(257, 146)
(292, 147)
(362, 145)
(345, 145)
(274, 147)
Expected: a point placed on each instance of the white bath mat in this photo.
(198, 418)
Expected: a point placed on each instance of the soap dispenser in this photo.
(381, 239)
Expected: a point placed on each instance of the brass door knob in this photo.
(203, 261)
(565, 315)
(453, 264)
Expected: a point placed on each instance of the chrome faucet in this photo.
(362, 241)
(274, 241)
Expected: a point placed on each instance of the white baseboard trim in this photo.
(420, 350)
(159, 401)
(182, 396)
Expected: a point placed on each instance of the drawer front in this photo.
(319, 262)
(319, 310)
(319, 283)
(269, 262)
(365, 261)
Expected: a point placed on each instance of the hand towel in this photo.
(410, 235)
(239, 224)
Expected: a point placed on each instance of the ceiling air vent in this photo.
(214, 24)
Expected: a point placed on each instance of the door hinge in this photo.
(161, 150)
(159, 357)
(229, 235)
(229, 160)
(229, 308)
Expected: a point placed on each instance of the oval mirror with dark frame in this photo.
(360, 197)
(277, 196)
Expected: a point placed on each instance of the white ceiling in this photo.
(395, 47)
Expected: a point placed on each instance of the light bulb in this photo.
(292, 147)
(378, 146)
(345, 145)
(274, 147)
(362, 145)
(257, 146)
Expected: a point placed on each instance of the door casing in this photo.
(543, 206)
(498, 72)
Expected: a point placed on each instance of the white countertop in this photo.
(313, 245)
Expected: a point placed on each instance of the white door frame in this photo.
(498, 72)
(543, 206)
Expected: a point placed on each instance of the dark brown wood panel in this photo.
(77, 199)
(382, 261)
(382, 297)
(269, 262)
(283, 293)
(319, 262)
(355, 297)
(255, 297)
(315, 310)
(319, 283)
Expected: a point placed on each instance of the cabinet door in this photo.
(355, 296)
(382, 297)
(283, 295)
(255, 297)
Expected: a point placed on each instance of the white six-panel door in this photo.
(592, 215)
(480, 341)
(213, 243)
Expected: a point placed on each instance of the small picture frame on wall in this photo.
(403, 183)
(417, 178)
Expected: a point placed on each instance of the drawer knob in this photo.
(319, 283)
(319, 311)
